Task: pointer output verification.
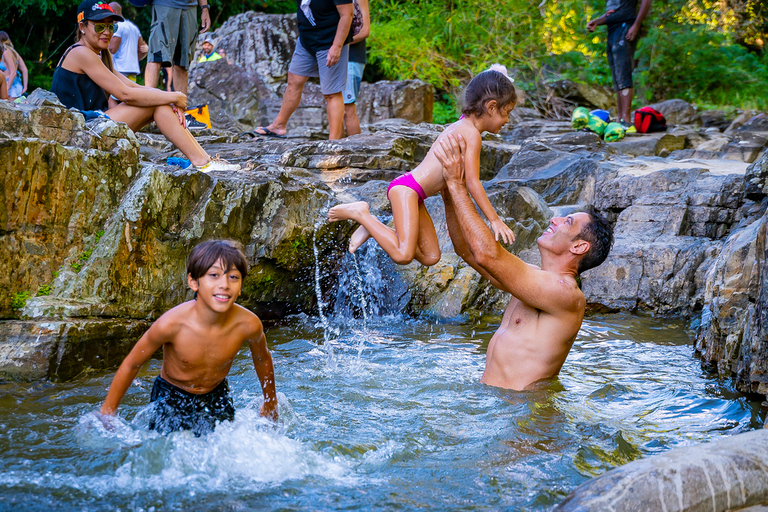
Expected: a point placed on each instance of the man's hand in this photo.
(592, 25)
(501, 230)
(450, 153)
(205, 21)
(632, 32)
(334, 54)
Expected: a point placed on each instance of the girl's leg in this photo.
(400, 243)
(169, 125)
(427, 247)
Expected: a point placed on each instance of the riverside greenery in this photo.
(704, 51)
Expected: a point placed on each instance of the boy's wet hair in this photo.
(206, 254)
(599, 234)
(488, 85)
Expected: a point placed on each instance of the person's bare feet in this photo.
(349, 211)
(358, 238)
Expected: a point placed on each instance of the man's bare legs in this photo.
(624, 104)
(414, 235)
(334, 106)
(291, 100)
(351, 121)
(180, 77)
(151, 74)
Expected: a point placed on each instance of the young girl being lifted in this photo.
(489, 99)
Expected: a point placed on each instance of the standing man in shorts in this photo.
(321, 51)
(172, 39)
(623, 21)
(355, 68)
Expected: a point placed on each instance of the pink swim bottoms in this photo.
(407, 180)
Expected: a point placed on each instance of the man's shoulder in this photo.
(566, 287)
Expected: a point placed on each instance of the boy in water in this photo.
(200, 339)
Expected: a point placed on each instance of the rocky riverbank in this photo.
(96, 226)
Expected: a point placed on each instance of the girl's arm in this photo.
(476, 190)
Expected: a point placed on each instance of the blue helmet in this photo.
(140, 3)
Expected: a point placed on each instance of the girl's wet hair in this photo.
(207, 253)
(488, 85)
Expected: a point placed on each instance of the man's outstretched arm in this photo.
(460, 244)
(532, 286)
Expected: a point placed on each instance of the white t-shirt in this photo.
(127, 57)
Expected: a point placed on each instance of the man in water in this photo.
(547, 306)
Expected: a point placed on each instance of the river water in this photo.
(387, 414)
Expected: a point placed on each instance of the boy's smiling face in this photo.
(219, 287)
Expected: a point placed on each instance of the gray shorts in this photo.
(172, 36)
(332, 79)
(354, 77)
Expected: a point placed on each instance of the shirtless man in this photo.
(547, 306)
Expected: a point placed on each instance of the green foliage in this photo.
(696, 64)
(44, 290)
(84, 256)
(446, 111)
(19, 300)
(99, 234)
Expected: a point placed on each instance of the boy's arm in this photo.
(475, 187)
(262, 363)
(147, 345)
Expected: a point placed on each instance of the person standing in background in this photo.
(172, 39)
(322, 50)
(127, 46)
(355, 68)
(624, 22)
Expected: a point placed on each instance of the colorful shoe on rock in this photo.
(218, 164)
(628, 127)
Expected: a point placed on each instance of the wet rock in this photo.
(756, 180)
(676, 111)
(683, 480)
(733, 331)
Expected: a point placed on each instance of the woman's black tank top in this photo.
(77, 90)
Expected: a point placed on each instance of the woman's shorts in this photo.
(354, 78)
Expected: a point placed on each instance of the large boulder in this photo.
(727, 474)
(677, 111)
(733, 335)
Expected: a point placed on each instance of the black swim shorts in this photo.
(176, 409)
(621, 55)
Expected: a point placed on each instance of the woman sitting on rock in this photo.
(13, 67)
(85, 77)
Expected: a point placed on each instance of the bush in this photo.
(695, 63)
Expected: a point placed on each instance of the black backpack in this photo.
(649, 120)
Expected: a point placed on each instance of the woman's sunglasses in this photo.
(101, 27)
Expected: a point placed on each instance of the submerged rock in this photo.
(721, 475)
